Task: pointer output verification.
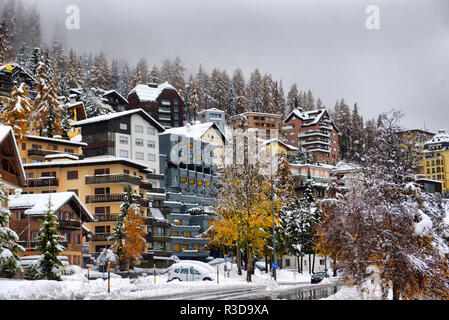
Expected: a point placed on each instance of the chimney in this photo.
(152, 85)
(442, 131)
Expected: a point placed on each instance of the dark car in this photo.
(318, 276)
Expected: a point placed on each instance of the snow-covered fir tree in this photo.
(48, 243)
(17, 110)
(255, 92)
(6, 48)
(99, 74)
(292, 98)
(75, 72)
(192, 100)
(140, 74)
(238, 100)
(9, 248)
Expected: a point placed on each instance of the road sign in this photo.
(274, 265)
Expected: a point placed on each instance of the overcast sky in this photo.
(322, 45)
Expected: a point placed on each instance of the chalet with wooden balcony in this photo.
(29, 209)
(315, 132)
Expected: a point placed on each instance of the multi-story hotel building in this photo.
(412, 142)
(314, 131)
(99, 183)
(189, 185)
(131, 134)
(266, 124)
(436, 159)
(161, 101)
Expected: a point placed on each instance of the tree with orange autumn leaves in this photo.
(129, 232)
(243, 215)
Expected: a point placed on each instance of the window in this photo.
(139, 155)
(175, 101)
(124, 153)
(24, 146)
(123, 126)
(123, 140)
(151, 131)
(165, 102)
(68, 150)
(73, 190)
(151, 144)
(151, 157)
(139, 129)
(139, 142)
(72, 175)
(101, 171)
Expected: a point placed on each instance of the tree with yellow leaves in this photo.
(129, 242)
(16, 111)
(243, 211)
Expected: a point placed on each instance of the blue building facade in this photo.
(189, 183)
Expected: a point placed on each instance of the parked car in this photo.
(191, 271)
(318, 276)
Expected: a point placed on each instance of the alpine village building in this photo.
(315, 132)
(161, 101)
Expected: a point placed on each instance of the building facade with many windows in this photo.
(315, 132)
(436, 159)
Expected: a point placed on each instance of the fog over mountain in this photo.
(323, 45)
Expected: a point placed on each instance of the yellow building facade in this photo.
(99, 183)
(436, 159)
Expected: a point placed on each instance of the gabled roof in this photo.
(116, 115)
(37, 203)
(195, 131)
(285, 145)
(147, 93)
(7, 136)
(79, 106)
(116, 94)
(16, 65)
(311, 117)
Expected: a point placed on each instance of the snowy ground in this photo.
(76, 287)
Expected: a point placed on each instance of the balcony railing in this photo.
(101, 236)
(105, 198)
(145, 185)
(112, 178)
(116, 197)
(45, 152)
(43, 182)
(106, 217)
(71, 224)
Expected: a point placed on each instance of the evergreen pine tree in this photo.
(9, 260)
(17, 110)
(140, 74)
(49, 246)
(292, 98)
(238, 100)
(6, 48)
(255, 92)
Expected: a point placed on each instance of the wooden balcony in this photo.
(106, 217)
(100, 236)
(112, 178)
(69, 224)
(43, 182)
(146, 185)
(116, 197)
(96, 198)
(44, 152)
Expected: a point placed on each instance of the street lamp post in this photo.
(272, 214)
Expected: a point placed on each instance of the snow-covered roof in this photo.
(114, 115)
(287, 146)
(77, 143)
(37, 203)
(145, 93)
(16, 65)
(211, 110)
(195, 131)
(115, 92)
(440, 137)
(61, 155)
(311, 117)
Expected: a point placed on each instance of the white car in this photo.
(191, 271)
